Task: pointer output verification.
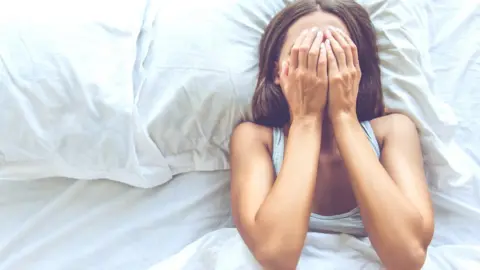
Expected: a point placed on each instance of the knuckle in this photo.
(303, 49)
(353, 46)
(336, 78)
(300, 73)
(313, 75)
(312, 54)
(294, 49)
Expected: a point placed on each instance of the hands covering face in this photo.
(323, 67)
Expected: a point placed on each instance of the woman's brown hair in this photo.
(269, 106)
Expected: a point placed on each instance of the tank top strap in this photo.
(278, 148)
(367, 127)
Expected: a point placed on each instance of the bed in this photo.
(61, 223)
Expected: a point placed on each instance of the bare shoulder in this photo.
(248, 134)
(393, 125)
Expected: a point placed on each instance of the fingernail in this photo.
(327, 42)
(322, 46)
(320, 34)
(304, 31)
(314, 29)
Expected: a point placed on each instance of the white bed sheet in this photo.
(455, 57)
(65, 224)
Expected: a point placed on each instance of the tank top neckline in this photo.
(278, 150)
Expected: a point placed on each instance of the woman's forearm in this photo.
(284, 215)
(393, 224)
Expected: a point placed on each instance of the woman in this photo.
(321, 156)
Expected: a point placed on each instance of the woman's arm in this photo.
(393, 197)
(394, 200)
(272, 216)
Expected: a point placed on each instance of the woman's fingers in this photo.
(315, 52)
(305, 48)
(337, 49)
(337, 34)
(353, 49)
(322, 62)
(296, 48)
(331, 61)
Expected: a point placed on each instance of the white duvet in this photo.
(225, 250)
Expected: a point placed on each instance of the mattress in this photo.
(69, 224)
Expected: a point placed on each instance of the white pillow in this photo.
(199, 75)
(66, 92)
(403, 43)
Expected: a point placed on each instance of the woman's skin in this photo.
(329, 165)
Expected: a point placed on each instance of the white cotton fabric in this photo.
(66, 93)
(58, 224)
(408, 79)
(225, 250)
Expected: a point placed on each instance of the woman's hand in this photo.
(343, 75)
(304, 77)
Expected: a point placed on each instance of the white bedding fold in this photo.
(225, 250)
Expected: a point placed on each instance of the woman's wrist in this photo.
(342, 120)
(306, 132)
(344, 125)
(312, 122)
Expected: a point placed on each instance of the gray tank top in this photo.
(350, 222)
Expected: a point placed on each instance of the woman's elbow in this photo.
(413, 259)
(278, 257)
(415, 249)
(417, 258)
